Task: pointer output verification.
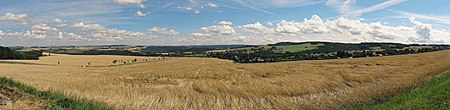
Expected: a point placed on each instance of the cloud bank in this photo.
(315, 29)
(226, 32)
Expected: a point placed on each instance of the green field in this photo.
(375, 48)
(432, 94)
(299, 48)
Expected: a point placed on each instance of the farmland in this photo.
(210, 83)
(286, 48)
(84, 60)
(278, 52)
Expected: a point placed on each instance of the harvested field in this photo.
(83, 60)
(208, 83)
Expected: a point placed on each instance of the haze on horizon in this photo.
(214, 22)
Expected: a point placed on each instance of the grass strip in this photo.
(432, 94)
(57, 101)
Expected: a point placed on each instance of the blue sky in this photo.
(200, 22)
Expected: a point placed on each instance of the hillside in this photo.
(289, 51)
(279, 52)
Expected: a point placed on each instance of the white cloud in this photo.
(423, 30)
(2, 33)
(61, 25)
(70, 36)
(76, 37)
(316, 29)
(241, 38)
(40, 31)
(14, 34)
(344, 30)
(13, 17)
(59, 22)
(219, 30)
(200, 35)
(139, 3)
(42, 28)
(224, 23)
(60, 36)
(287, 27)
(212, 5)
(221, 34)
(31, 35)
(378, 32)
(164, 31)
(255, 28)
(197, 6)
(185, 8)
(139, 13)
(314, 25)
(102, 33)
(89, 27)
(128, 1)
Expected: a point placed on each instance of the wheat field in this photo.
(209, 83)
(84, 60)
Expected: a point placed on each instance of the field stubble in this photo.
(208, 83)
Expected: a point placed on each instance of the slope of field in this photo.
(433, 94)
(18, 96)
(208, 83)
(12, 98)
(83, 60)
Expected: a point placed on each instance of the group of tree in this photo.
(7, 53)
(134, 61)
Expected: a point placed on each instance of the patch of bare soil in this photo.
(12, 98)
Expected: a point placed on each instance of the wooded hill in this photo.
(7, 53)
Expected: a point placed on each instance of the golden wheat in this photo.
(209, 83)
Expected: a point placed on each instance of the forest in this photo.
(7, 53)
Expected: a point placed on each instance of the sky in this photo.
(216, 22)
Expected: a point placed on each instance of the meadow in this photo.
(210, 83)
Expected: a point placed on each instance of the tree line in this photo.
(328, 51)
(7, 53)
